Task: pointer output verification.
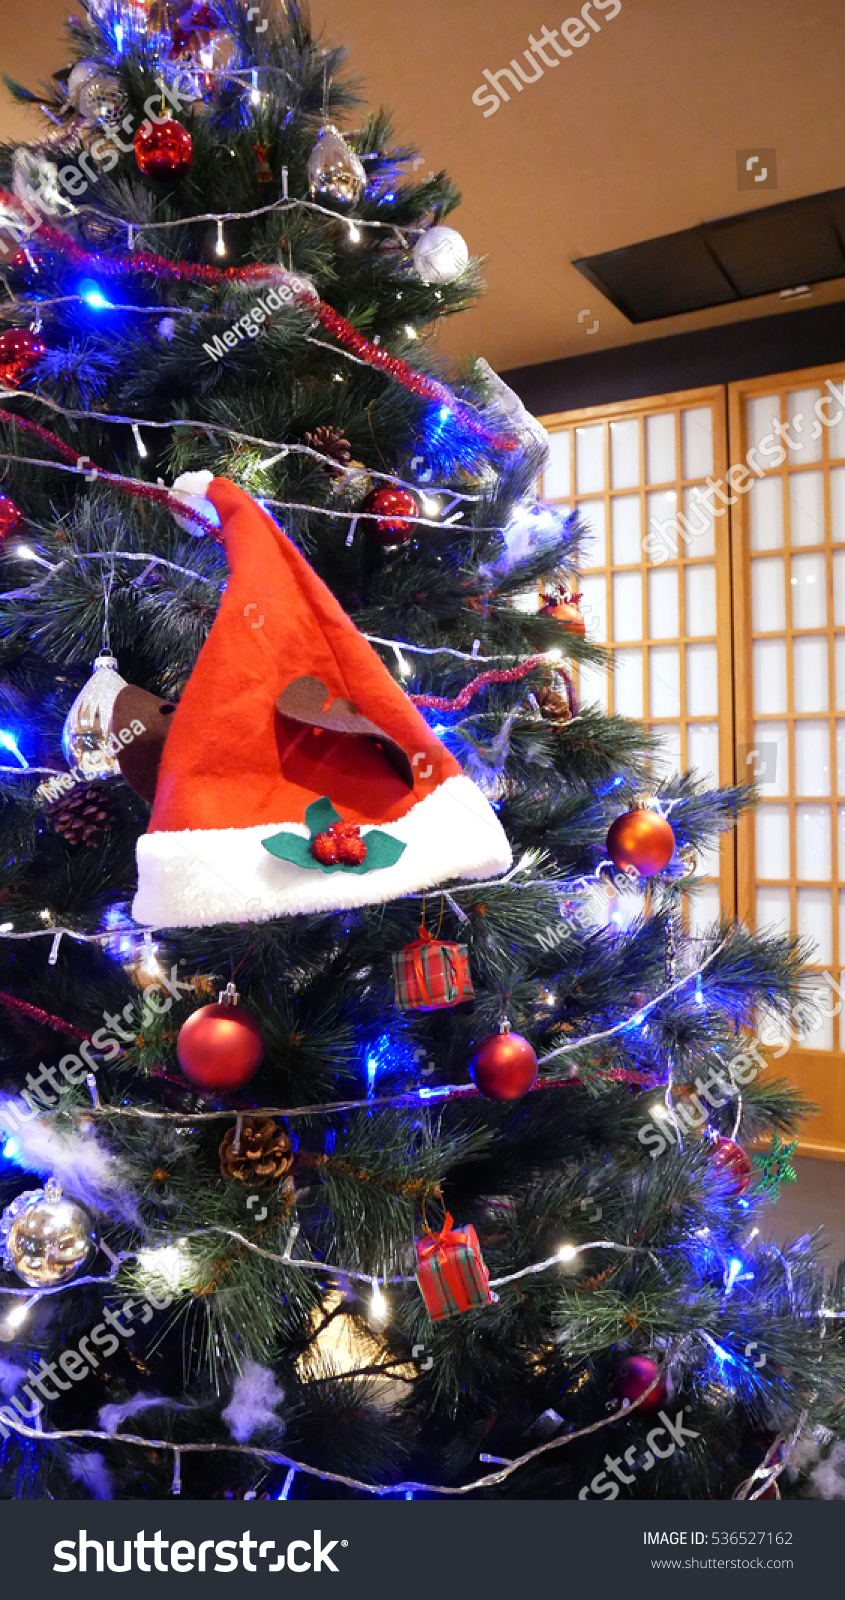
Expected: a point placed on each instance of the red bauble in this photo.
(636, 1374)
(163, 150)
(565, 610)
(504, 1067)
(642, 840)
(394, 512)
(19, 350)
(221, 1046)
(11, 516)
(730, 1158)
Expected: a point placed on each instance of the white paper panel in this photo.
(809, 600)
(818, 1034)
(703, 749)
(697, 442)
(812, 758)
(767, 763)
(589, 459)
(526, 600)
(840, 758)
(773, 910)
(702, 680)
(806, 507)
(701, 599)
(628, 682)
(815, 921)
(769, 657)
(809, 673)
(838, 561)
(836, 431)
(761, 415)
(837, 504)
(768, 608)
(765, 513)
(699, 520)
(594, 606)
(772, 829)
(662, 517)
(709, 862)
(667, 759)
(625, 531)
(799, 410)
(625, 453)
(593, 547)
(812, 832)
(663, 610)
(660, 448)
(704, 909)
(627, 605)
(665, 680)
(593, 686)
(556, 472)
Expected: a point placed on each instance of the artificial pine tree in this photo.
(249, 1189)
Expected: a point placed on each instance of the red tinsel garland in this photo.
(437, 702)
(46, 1018)
(145, 261)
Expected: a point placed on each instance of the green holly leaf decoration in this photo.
(382, 849)
(776, 1168)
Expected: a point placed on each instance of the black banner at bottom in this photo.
(422, 1549)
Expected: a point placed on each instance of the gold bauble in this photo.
(48, 1240)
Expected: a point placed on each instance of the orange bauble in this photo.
(642, 840)
(221, 1046)
(504, 1067)
(565, 610)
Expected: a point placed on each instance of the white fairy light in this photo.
(354, 232)
(567, 1252)
(378, 1304)
(220, 242)
(136, 434)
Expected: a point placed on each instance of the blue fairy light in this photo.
(699, 993)
(92, 294)
(9, 742)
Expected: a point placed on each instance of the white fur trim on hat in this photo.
(191, 487)
(196, 878)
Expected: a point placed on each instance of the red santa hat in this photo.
(296, 775)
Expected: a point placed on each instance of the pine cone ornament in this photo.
(331, 442)
(258, 1151)
(84, 815)
(553, 706)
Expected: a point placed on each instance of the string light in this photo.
(10, 743)
(255, 95)
(354, 232)
(220, 242)
(378, 1304)
(141, 447)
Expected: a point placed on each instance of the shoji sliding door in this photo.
(659, 598)
(789, 597)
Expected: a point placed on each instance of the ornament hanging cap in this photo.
(289, 724)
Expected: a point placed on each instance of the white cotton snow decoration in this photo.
(252, 1408)
(111, 1417)
(82, 1167)
(91, 1471)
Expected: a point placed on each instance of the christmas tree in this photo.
(400, 1140)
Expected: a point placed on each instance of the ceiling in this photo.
(635, 134)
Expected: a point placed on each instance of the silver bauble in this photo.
(48, 1240)
(335, 172)
(440, 255)
(86, 736)
(81, 74)
(102, 101)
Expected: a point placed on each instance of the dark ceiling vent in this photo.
(717, 263)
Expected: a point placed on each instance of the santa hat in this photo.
(291, 728)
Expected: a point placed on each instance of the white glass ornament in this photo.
(86, 737)
(32, 173)
(79, 76)
(335, 172)
(441, 255)
(47, 1239)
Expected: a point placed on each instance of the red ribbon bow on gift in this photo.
(456, 972)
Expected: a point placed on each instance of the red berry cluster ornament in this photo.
(11, 516)
(504, 1067)
(341, 845)
(163, 150)
(393, 512)
(221, 1046)
(20, 348)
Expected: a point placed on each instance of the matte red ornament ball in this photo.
(394, 512)
(643, 840)
(20, 348)
(730, 1158)
(11, 516)
(163, 150)
(636, 1374)
(220, 1048)
(504, 1067)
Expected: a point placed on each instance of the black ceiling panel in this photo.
(732, 259)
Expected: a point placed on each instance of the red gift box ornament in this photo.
(430, 974)
(451, 1272)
